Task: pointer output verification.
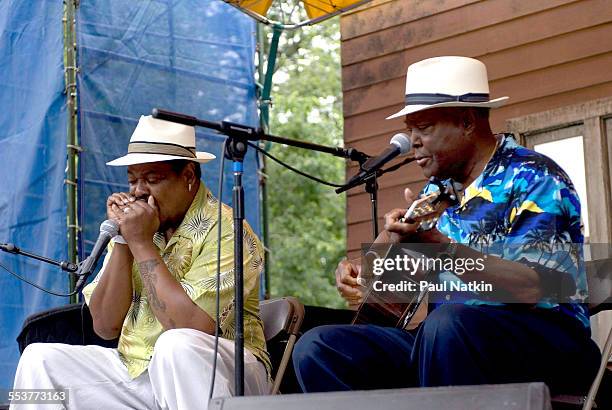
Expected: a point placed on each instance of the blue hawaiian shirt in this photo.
(523, 207)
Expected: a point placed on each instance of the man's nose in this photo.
(139, 190)
(415, 139)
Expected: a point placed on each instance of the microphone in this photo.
(108, 230)
(399, 145)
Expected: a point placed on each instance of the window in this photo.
(579, 139)
(565, 146)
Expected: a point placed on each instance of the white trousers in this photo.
(178, 376)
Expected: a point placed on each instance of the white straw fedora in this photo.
(447, 81)
(156, 140)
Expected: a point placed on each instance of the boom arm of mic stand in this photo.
(352, 183)
(256, 134)
(358, 181)
(64, 265)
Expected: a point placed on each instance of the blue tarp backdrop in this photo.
(32, 164)
(192, 56)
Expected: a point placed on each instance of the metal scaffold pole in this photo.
(72, 143)
(265, 102)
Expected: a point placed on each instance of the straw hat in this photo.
(156, 140)
(447, 81)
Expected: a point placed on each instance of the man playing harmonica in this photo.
(157, 291)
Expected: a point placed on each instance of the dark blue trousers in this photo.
(456, 345)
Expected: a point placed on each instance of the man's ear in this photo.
(189, 173)
(469, 120)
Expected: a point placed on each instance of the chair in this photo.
(599, 278)
(281, 317)
(70, 324)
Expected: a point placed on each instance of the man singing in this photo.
(521, 211)
(156, 291)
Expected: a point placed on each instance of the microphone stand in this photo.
(371, 187)
(64, 265)
(370, 178)
(238, 135)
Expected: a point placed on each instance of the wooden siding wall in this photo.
(542, 53)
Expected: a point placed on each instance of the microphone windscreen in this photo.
(402, 141)
(110, 228)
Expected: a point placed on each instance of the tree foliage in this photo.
(306, 219)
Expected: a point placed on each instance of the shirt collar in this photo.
(477, 188)
(182, 231)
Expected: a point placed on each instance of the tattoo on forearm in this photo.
(149, 279)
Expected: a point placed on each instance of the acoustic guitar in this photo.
(386, 308)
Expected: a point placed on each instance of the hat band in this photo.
(161, 148)
(429, 99)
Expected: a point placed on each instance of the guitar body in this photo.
(385, 308)
(382, 310)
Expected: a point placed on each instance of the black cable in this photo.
(396, 166)
(74, 292)
(381, 172)
(218, 301)
(297, 171)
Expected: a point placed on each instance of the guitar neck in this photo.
(381, 308)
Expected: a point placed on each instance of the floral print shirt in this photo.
(523, 207)
(191, 257)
